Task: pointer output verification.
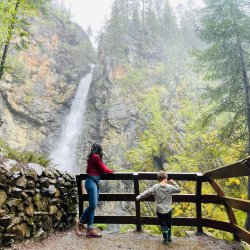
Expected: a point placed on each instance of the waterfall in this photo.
(64, 154)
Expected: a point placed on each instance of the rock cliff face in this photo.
(36, 96)
(112, 117)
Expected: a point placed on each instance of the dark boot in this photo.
(165, 236)
(169, 235)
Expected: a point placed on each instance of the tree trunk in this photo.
(8, 39)
(247, 99)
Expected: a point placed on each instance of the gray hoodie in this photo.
(163, 196)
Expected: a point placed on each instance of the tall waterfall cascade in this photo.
(64, 154)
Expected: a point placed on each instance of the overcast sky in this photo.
(92, 12)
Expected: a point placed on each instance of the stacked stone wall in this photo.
(34, 201)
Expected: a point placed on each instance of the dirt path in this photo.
(69, 241)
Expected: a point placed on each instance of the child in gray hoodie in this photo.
(163, 198)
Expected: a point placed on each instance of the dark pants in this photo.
(165, 220)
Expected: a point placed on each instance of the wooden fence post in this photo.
(79, 191)
(137, 203)
(198, 203)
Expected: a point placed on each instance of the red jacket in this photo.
(96, 167)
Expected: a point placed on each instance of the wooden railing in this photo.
(238, 169)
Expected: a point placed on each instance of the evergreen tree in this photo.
(225, 26)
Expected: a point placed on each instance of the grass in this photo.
(23, 157)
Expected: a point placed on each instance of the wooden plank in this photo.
(115, 176)
(175, 221)
(176, 198)
(131, 197)
(211, 198)
(221, 195)
(243, 234)
(113, 197)
(80, 196)
(145, 176)
(240, 168)
(137, 203)
(220, 225)
(175, 176)
(115, 219)
(229, 210)
(241, 204)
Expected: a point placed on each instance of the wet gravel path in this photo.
(70, 241)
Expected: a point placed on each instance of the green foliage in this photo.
(18, 69)
(155, 135)
(225, 28)
(102, 226)
(14, 25)
(23, 157)
(126, 228)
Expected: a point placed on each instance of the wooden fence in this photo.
(238, 169)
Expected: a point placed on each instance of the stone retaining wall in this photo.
(34, 201)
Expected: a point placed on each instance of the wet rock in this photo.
(52, 189)
(55, 201)
(53, 210)
(16, 176)
(5, 221)
(3, 178)
(49, 173)
(12, 182)
(16, 169)
(27, 200)
(30, 172)
(21, 182)
(45, 182)
(1, 230)
(29, 210)
(3, 212)
(21, 231)
(39, 233)
(15, 192)
(30, 185)
(3, 197)
(47, 224)
(57, 193)
(13, 202)
(20, 207)
(8, 239)
(30, 192)
(39, 169)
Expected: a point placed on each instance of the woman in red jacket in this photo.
(95, 168)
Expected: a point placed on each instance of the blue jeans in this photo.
(93, 196)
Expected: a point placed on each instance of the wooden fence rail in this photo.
(241, 168)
